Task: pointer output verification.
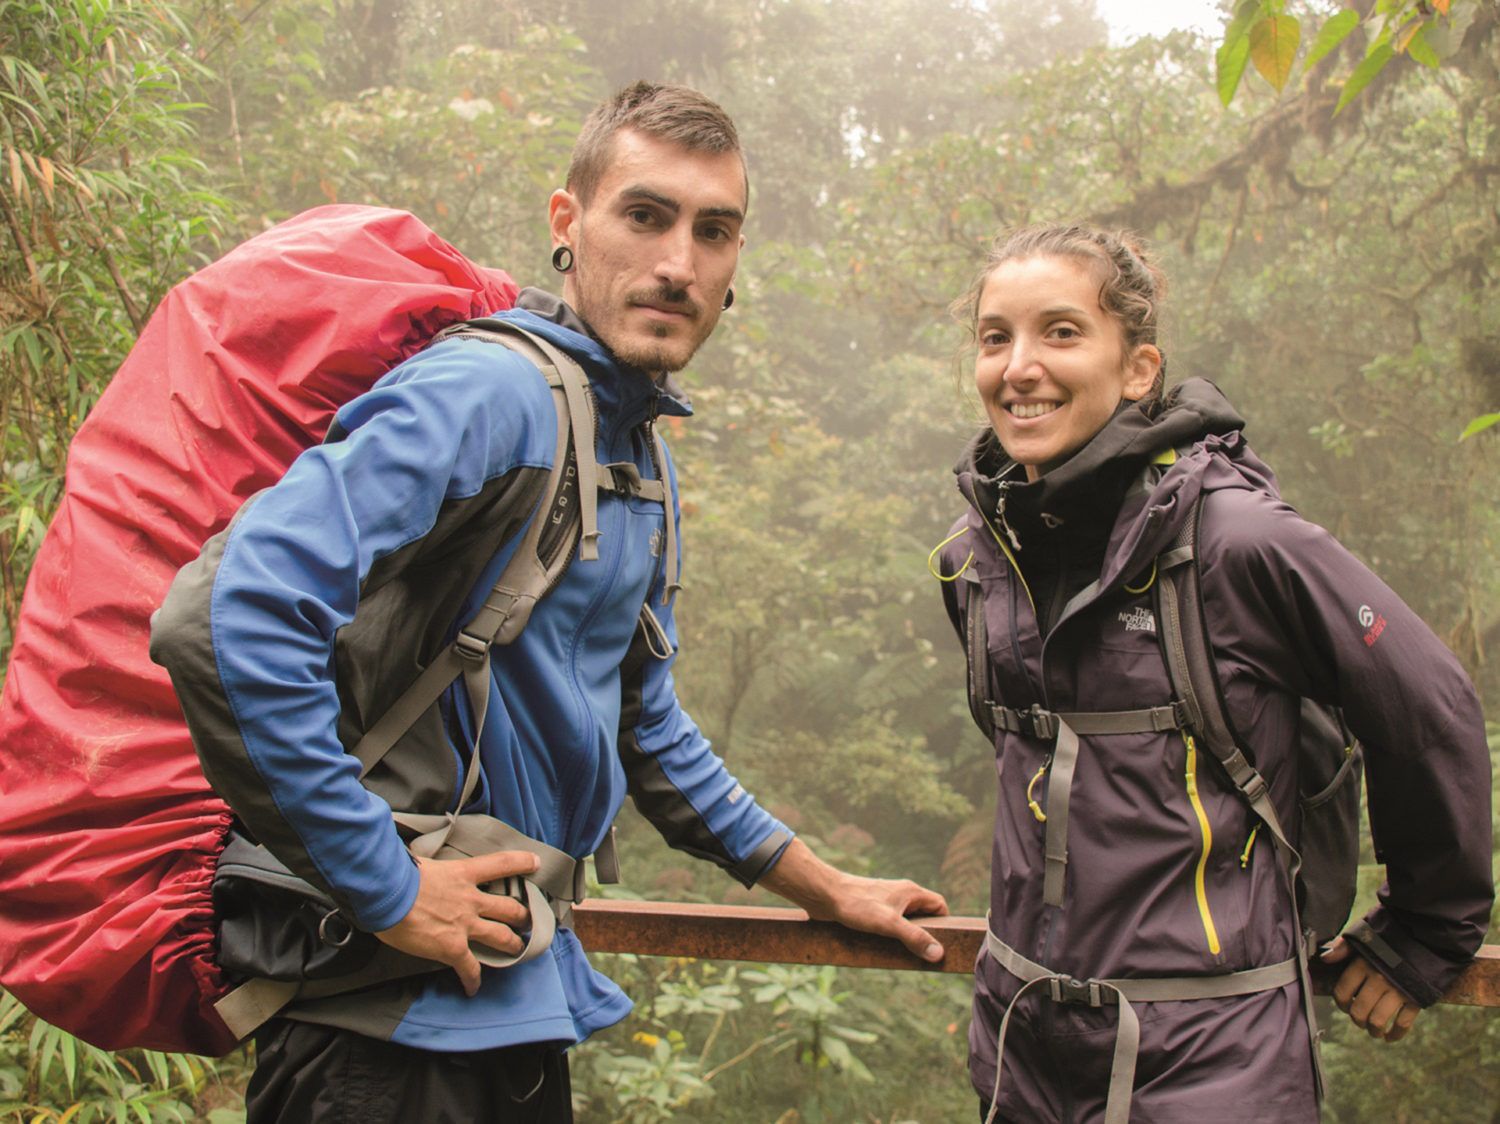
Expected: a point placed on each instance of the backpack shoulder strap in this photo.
(1190, 664)
(528, 575)
(1191, 667)
(976, 644)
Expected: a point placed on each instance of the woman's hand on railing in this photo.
(1373, 1002)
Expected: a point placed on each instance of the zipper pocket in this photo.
(1200, 891)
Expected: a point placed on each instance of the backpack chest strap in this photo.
(1036, 722)
(1064, 729)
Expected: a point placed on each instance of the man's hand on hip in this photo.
(451, 910)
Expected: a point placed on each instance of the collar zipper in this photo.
(1004, 487)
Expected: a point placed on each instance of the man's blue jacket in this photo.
(302, 621)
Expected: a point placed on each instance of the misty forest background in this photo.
(1336, 274)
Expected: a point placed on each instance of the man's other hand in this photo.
(451, 910)
(872, 905)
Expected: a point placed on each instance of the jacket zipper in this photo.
(1044, 936)
(648, 436)
(1000, 517)
(1200, 891)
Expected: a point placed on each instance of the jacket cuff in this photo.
(758, 863)
(391, 907)
(1413, 967)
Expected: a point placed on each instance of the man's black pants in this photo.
(315, 1073)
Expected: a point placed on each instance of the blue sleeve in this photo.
(256, 679)
(675, 778)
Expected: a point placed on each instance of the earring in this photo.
(728, 298)
(562, 259)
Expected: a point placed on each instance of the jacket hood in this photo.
(1117, 480)
(1127, 442)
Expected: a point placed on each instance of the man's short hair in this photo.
(670, 113)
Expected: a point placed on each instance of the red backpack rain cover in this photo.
(108, 831)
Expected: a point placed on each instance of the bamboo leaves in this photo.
(101, 204)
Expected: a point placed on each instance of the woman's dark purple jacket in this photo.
(1291, 613)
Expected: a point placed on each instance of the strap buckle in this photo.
(625, 478)
(1044, 723)
(1067, 989)
(471, 648)
(1036, 722)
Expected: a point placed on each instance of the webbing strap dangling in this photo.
(1122, 1066)
(658, 643)
(673, 579)
(1059, 793)
(1062, 988)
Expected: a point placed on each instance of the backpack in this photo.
(1323, 875)
(1325, 870)
(110, 837)
(1330, 759)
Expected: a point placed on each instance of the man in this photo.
(328, 591)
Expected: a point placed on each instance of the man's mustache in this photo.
(664, 297)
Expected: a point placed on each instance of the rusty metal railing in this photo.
(787, 936)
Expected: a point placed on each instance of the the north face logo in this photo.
(1138, 620)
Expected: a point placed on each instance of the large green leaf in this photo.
(1364, 74)
(1331, 34)
(1479, 425)
(1234, 52)
(1230, 61)
(1273, 48)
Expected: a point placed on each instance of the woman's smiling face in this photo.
(1052, 366)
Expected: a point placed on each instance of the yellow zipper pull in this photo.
(1036, 809)
(1249, 843)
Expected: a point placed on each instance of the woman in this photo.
(1128, 856)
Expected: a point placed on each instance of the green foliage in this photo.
(468, 139)
(1479, 425)
(103, 204)
(48, 1075)
(1262, 31)
(1336, 276)
(724, 1043)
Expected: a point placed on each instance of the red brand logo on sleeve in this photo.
(1373, 624)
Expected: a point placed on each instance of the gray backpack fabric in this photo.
(1330, 760)
(285, 938)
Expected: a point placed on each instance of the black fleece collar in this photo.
(1090, 485)
(541, 303)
